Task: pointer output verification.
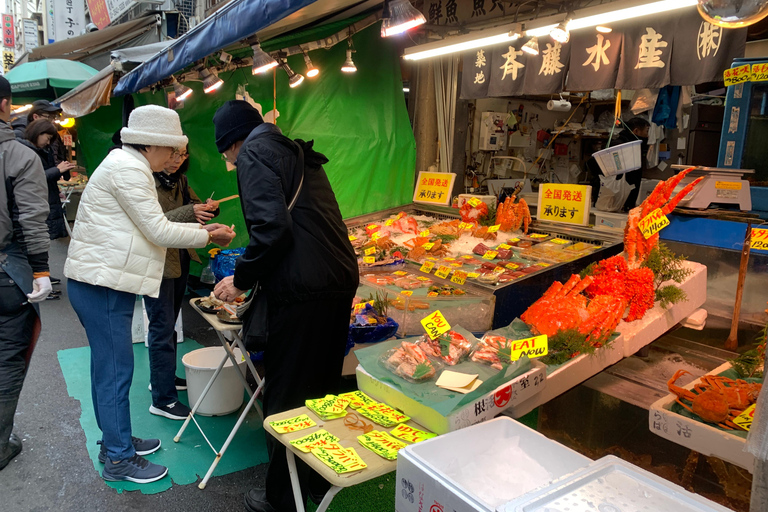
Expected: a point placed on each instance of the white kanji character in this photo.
(708, 40)
(480, 78)
(551, 60)
(650, 53)
(597, 54)
(511, 66)
(480, 62)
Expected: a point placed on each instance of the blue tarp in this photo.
(236, 21)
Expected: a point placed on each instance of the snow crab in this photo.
(636, 245)
(716, 399)
(511, 216)
(419, 251)
(482, 232)
(410, 361)
(406, 224)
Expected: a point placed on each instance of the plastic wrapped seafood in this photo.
(451, 347)
(410, 362)
(491, 350)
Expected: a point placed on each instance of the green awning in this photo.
(54, 73)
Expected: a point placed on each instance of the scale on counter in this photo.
(720, 186)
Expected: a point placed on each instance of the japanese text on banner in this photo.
(564, 203)
(737, 75)
(434, 188)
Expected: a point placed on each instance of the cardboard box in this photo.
(697, 435)
(519, 389)
(422, 484)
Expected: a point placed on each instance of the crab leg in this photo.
(568, 286)
(679, 197)
(680, 392)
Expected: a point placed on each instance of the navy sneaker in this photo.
(181, 384)
(174, 411)
(142, 447)
(134, 469)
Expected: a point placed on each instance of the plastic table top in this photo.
(217, 324)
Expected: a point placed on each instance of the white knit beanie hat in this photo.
(153, 125)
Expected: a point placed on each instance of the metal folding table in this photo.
(223, 330)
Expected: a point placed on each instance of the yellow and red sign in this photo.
(759, 239)
(564, 203)
(653, 223)
(435, 324)
(737, 75)
(434, 188)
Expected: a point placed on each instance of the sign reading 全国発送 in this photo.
(434, 187)
(564, 203)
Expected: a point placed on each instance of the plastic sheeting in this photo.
(87, 97)
(359, 121)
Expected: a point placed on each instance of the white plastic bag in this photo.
(613, 193)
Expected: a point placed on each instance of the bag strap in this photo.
(300, 168)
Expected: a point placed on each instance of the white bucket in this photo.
(226, 393)
(619, 159)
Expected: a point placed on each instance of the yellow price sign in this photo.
(465, 225)
(372, 226)
(407, 293)
(459, 277)
(428, 246)
(559, 241)
(370, 250)
(728, 185)
(474, 202)
(499, 270)
(513, 240)
(422, 278)
(504, 246)
(759, 73)
(744, 420)
(542, 265)
(759, 239)
(442, 272)
(457, 265)
(467, 256)
(473, 275)
(292, 424)
(424, 233)
(653, 223)
(532, 347)
(400, 273)
(449, 259)
(737, 75)
(389, 222)
(538, 235)
(369, 259)
(427, 267)
(512, 266)
(435, 324)
(432, 294)
(493, 229)
(352, 238)
(359, 307)
(490, 255)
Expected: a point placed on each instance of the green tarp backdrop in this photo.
(358, 120)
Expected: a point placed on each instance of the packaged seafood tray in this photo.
(666, 419)
(611, 484)
(481, 467)
(459, 305)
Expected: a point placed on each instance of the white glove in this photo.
(42, 288)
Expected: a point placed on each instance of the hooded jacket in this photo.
(56, 227)
(120, 232)
(23, 184)
(298, 256)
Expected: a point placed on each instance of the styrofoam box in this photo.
(610, 220)
(612, 485)
(516, 390)
(658, 320)
(696, 435)
(424, 486)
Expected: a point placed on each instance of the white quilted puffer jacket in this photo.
(120, 232)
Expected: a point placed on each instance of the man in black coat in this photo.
(306, 272)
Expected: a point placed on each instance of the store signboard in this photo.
(104, 12)
(461, 12)
(9, 32)
(434, 188)
(69, 18)
(569, 204)
(9, 59)
(30, 34)
(646, 52)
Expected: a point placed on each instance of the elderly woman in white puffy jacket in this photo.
(118, 251)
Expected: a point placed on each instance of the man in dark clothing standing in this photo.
(300, 257)
(24, 275)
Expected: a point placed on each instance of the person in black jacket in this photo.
(306, 271)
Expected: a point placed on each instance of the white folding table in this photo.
(223, 330)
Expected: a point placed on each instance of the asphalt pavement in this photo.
(54, 472)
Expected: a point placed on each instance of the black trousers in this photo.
(17, 321)
(303, 360)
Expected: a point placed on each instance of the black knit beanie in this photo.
(234, 121)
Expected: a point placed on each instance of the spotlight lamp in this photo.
(349, 64)
(399, 16)
(211, 82)
(182, 91)
(262, 61)
(731, 14)
(560, 33)
(603, 29)
(532, 46)
(294, 79)
(312, 71)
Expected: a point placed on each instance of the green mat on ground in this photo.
(189, 459)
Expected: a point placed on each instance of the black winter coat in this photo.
(299, 256)
(56, 227)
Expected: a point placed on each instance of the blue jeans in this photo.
(162, 313)
(106, 315)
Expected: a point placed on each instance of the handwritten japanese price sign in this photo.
(759, 73)
(434, 188)
(744, 420)
(442, 272)
(292, 424)
(428, 246)
(352, 238)
(532, 347)
(759, 239)
(370, 250)
(459, 277)
(493, 229)
(653, 223)
(427, 267)
(407, 293)
(474, 202)
(737, 75)
(435, 324)
(564, 203)
(369, 260)
(490, 255)
(410, 434)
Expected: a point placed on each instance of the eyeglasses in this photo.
(179, 154)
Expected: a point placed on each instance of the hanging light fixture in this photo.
(532, 46)
(312, 71)
(733, 14)
(294, 79)
(603, 29)
(211, 82)
(182, 91)
(399, 16)
(560, 33)
(349, 64)
(262, 61)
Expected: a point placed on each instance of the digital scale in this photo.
(719, 186)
